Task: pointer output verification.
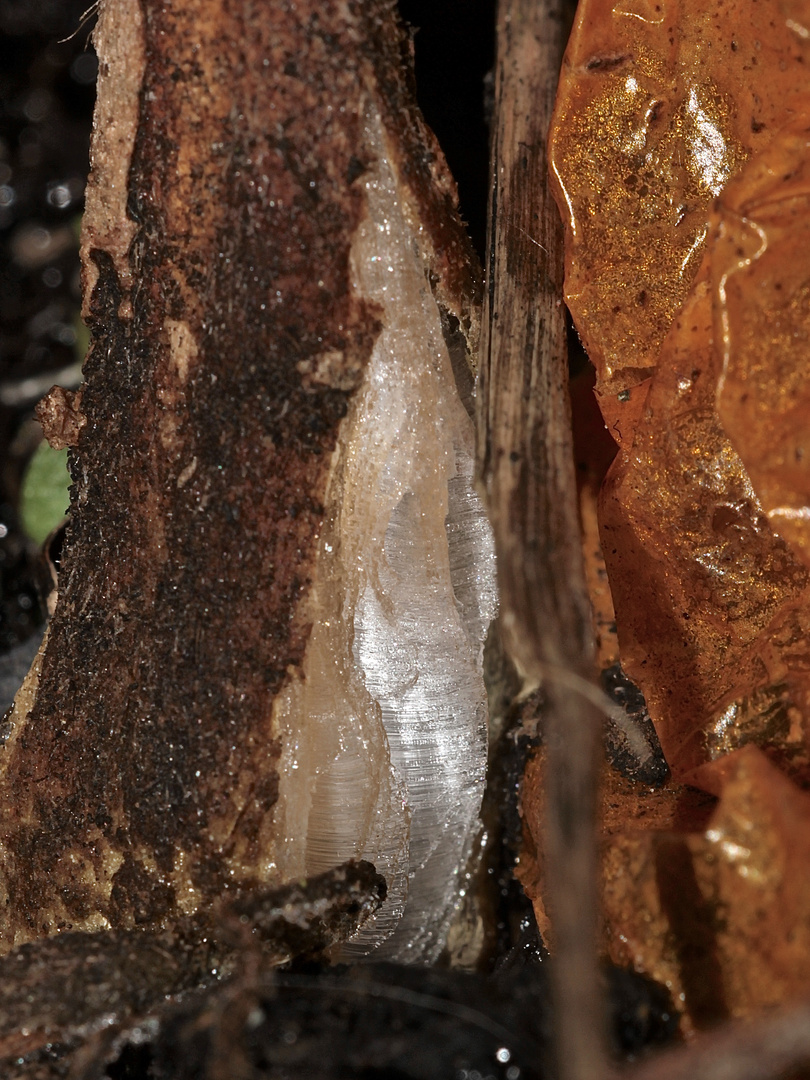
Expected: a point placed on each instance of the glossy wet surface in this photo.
(680, 155)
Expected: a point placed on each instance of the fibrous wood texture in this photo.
(527, 466)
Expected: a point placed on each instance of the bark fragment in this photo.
(229, 336)
(59, 994)
(61, 417)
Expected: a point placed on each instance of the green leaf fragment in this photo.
(44, 495)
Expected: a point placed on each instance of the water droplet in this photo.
(59, 196)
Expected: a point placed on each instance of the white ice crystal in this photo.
(385, 736)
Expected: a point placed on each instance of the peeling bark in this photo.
(229, 341)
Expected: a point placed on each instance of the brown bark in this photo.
(227, 342)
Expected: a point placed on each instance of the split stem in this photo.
(527, 466)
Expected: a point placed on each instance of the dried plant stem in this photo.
(526, 463)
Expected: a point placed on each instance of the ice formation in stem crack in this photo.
(385, 734)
